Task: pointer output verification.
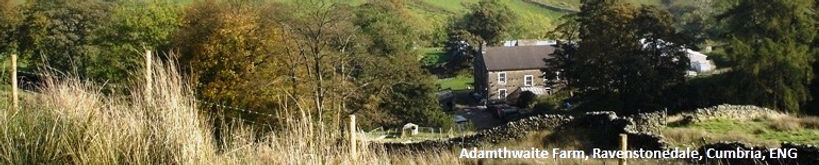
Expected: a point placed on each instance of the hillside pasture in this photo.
(769, 131)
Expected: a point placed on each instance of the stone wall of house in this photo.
(734, 112)
(514, 80)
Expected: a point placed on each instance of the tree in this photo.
(135, 26)
(770, 42)
(321, 35)
(60, 34)
(462, 47)
(625, 58)
(229, 54)
(389, 68)
(695, 19)
(9, 18)
(489, 19)
(813, 106)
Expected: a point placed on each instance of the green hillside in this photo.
(533, 20)
(535, 17)
(575, 4)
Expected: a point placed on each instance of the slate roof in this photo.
(517, 57)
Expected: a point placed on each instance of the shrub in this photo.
(549, 103)
(525, 99)
(811, 122)
(786, 123)
(685, 135)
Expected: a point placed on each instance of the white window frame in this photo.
(502, 81)
(528, 80)
(502, 93)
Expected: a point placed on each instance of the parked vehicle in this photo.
(504, 111)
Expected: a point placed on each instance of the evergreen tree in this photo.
(624, 58)
(770, 43)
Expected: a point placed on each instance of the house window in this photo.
(502, 78)
(528, 80)
(501, 93)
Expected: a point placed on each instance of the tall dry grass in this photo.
(73, 122)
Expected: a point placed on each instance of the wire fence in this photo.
(29, 86)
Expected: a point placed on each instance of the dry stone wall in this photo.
(734, 112)
(652, 122)
(608, 123)
(642, 129)
(511, 131)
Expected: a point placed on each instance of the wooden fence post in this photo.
(148, 75)
(353, 150)
(14, 103)
(624, 148)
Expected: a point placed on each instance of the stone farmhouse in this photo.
(501, 73)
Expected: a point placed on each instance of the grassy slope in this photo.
(763, 131)
(533, 20)
(518, 6)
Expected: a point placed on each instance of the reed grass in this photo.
(71, 121)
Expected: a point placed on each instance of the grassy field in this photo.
(433, 56)
(437, 56)
(768, 131)
(533, 21)
(455, 83)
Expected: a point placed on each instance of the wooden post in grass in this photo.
(148, 75)
(14, 82)
(624, 147)
(353, 151)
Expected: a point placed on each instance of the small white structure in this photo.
(511, 43)
(412, 127)
(699, 62)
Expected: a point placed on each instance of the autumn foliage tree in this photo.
(225, 49)
(9, 18)
(312, 59)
